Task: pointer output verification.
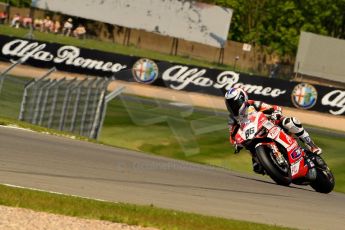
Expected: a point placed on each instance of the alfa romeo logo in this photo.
(145, 71)
(304, 96)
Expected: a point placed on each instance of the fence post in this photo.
(52, 110)
(50, 71)
(38, 101)
(95, 102)
(33, 81)
(24, 100)
(45, 101)
(63, 109)
(89, 88)
(8, 69)
(76, 104)
(96, 117)
(106, 100)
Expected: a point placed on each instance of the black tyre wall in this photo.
(263, 154)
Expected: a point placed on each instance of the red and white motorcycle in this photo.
(280, 155)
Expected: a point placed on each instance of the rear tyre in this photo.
(324, 182)
(279, 174)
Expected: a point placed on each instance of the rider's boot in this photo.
(257, 167)
(309, 143)
(294, 126)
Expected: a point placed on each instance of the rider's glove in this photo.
(276, 115)
(237, 148)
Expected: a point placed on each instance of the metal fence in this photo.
(68, 104)
(72, 105)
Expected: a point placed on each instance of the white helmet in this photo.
(236, 101)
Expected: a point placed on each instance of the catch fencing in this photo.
(67, 104)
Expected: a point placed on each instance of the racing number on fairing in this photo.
(249, 132)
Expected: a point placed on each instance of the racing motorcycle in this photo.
(279, 154)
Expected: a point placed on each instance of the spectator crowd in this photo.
(66, 28)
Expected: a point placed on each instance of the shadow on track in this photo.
(272, 183)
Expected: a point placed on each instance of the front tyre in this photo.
(280, 174)
(324, 182)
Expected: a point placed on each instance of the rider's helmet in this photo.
(236, 101)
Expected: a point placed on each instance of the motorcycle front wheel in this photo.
(280, 174)
(324, 182)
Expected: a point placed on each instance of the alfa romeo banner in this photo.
(171, 75)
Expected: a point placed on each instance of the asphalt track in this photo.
(74, 167)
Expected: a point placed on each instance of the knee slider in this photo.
(296, 122)
(293, 125)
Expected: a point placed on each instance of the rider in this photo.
(237, 102)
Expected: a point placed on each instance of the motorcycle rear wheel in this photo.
(280, 176)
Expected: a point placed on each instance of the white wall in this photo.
(193, 21)
(321, 56)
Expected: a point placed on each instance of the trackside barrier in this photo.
(107, 99)
(71, 105)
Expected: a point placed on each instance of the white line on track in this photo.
(52, 192)
(30, 130)
(15, 127)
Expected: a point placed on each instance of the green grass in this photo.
(214, 146)
(5, 121)
(119, 212)
(11, 96)
(109, 47)
(334, 150)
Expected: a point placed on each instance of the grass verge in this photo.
(119, 212)
(4, 121)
